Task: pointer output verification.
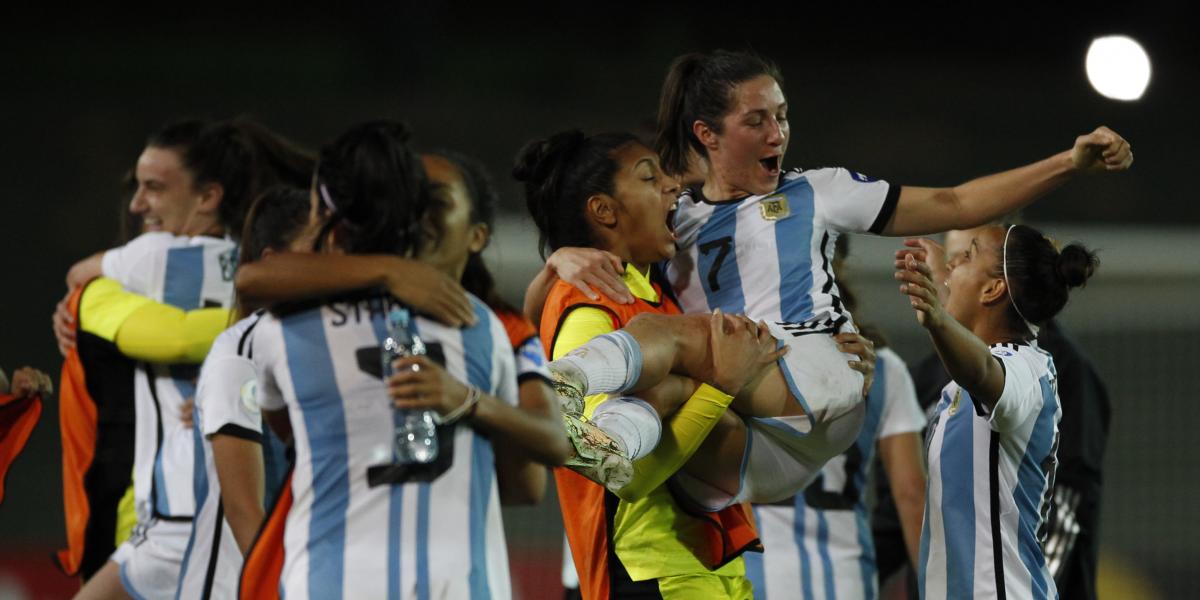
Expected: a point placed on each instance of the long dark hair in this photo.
(560, 173)
(241, 155)
(374, 189)
(699, 87)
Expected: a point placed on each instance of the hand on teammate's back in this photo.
(430, 291)
(63, 323)
(187, 412)
(741, 351)
(591, 270)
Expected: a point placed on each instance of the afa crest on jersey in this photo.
(774, 208)
(228, 260)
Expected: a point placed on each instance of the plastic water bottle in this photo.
(416, 431)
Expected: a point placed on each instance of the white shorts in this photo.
(151, 558)
(785, 454)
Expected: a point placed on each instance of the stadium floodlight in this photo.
(1118, 67)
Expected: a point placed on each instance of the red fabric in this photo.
(518, 328)
(77, 423)
(18, 417)
(730, 532)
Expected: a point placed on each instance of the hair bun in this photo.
(1076, 264)
(539, 159)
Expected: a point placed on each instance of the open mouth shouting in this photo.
(770, 164)
(670, 222)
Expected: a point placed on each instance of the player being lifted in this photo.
(758, 240)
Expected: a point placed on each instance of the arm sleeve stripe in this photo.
(238, 431)
(886, 211)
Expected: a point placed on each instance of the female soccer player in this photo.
(607, 191)
(457, 229)
(195, 182)
(229, 497)
(439, 535)
(819, 542)
(992, 442)
(755, 239)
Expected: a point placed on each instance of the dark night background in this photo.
(931, 96)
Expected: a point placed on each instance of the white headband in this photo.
(1008, 286)
(326, 198)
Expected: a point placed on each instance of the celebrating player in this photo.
(607, 191)
(345, 537)
(819, 542)
(758, 240)
(195, 182)
(992, 443)
(229, 503)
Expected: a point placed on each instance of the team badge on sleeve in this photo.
(860, 177)
(774, 208)
(249, 395)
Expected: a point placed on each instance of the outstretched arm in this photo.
(966, 357)
(922, 210)
(285, 276)
(142, 328)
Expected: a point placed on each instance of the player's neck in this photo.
(993, 329)
(717, 188)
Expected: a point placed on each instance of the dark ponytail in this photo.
(560, 173)
(374, 188)
(241, 155)
(699, 87)
(1039, 276)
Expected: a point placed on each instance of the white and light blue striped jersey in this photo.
(187, 273)
(769, 256)
(990, 479)
(531, 360)
(345, 538)
(818, 544)
(225, 405)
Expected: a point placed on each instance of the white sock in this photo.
(610, 363)
(630, 421)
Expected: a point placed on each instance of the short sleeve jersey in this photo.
(187, 273)
(991, 473)
(769, 256)
(344, 537)
(820, 541)
(225, 404)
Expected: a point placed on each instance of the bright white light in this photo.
(1118, 67)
